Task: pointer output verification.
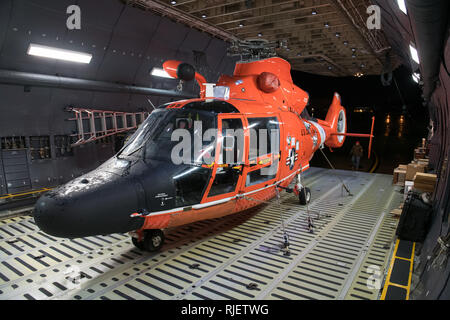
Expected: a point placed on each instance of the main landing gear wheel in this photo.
(304, 196)
(153, 240)
(138, 244)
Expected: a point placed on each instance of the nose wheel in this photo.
(153, 240)
(304, 195)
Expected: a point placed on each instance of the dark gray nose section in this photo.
(94, 204)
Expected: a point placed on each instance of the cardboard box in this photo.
(399, 177)
(420, 153)
(413, 169)
(425, 181)
(402, 166)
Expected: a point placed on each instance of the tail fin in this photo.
(335, 126)
(336, 121)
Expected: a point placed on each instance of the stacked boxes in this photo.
(420, 153)
(412, 169)
(413, 175)
(400, 175)
(424, 181)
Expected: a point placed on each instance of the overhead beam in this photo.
(262, 16)
(276, 20)
(346, 15)
(185, 18)
(291, 26)
(222, 4)
(266, 7)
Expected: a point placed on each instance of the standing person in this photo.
(356, 153)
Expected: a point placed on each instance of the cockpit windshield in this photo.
(178, 135)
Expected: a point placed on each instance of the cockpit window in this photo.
(137, 140)
(176, 134)
(184, 136)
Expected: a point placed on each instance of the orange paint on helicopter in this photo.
(259, 89)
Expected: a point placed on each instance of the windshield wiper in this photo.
(134, 151)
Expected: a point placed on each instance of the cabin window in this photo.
(264, 149)
(232, 149)
(262, 175)
(264, 137)
(225, 181)
(190, 184)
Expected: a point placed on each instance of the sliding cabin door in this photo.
(229, 161)
(261, 169)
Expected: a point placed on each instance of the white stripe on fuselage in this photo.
(322, 133)
(213, 203)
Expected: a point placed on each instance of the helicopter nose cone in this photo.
(90, 205)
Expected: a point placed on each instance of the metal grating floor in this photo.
(235, 257)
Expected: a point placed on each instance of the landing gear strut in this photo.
(303, 193)
(152, 240)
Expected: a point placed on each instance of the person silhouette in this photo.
(356, 153)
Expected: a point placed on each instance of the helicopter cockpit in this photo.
(182, 143)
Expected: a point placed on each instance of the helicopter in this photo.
(237, 145)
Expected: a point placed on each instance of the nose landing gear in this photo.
(151, 240)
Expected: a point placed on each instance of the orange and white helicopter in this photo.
(142, 190)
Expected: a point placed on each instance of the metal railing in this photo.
(97, 124)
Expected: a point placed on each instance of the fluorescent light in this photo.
(60, 54)
(158, 72)
(402, 6)
(414, 54)
(416, 77)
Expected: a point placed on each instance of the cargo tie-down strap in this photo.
(23, 194)
(398, 280)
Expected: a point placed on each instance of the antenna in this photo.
(153, 106)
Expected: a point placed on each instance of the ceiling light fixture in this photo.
(414, 54)
(401, 4)
(158, 72)
(59, 54)
(314, 12)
